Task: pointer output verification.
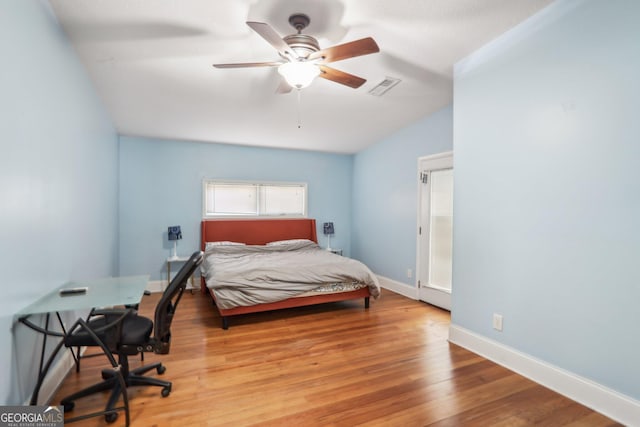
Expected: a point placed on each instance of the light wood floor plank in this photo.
(330, 365)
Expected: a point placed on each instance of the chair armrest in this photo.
(113, 316)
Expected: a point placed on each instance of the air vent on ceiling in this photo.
(382, 87)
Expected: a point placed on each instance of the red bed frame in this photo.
(260, 232)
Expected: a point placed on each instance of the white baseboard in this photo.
(611, 403)
(54, 378)
(398, 287)
(156, 285)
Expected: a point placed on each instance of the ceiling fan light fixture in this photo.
(299, 74)
(303, 60)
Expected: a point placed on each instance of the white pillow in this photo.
(288, 242)
(210, 245)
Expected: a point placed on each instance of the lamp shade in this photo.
(175, 233)
(299, 74)
(328, 228)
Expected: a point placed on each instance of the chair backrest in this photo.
(169, 301)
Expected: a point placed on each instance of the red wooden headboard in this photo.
(256, 231)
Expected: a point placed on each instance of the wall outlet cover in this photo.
(497, 322)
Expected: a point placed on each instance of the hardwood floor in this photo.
(330, 365)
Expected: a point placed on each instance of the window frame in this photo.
(303, 185)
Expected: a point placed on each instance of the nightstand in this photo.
(335, 251)
(171, 260)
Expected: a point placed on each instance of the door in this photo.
(435, 229)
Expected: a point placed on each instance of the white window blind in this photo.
(224, 198)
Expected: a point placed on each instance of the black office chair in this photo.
(135, 337)
(95, 312)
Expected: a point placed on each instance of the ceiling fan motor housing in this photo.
(302, 44)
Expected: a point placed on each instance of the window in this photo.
(235, 198)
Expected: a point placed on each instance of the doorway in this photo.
(435, 229)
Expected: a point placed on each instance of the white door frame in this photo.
(433, 296)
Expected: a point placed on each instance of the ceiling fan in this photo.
(303, 60)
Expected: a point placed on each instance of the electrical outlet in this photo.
(497, 322)
(409, 273)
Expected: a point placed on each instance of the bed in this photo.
(256, 234)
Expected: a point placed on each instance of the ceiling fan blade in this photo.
(249, 64)
(347, 50)
(340, 77)
(274, 39)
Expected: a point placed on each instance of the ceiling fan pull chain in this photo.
(299, 119)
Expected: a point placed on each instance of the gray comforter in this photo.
(249, 275)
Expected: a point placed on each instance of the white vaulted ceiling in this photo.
(151, 63)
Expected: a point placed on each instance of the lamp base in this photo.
(175, 250)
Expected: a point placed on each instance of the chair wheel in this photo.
(111, 417)
(161, 369)
(166, 391)
(68, 406)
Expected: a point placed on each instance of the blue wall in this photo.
(58, 178)
(161, 185)
(385, 195)
(546, 205)
(547, 200)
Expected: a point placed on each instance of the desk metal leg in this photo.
(76, 357)
(43, 372)
(43, 367)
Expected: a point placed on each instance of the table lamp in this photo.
(174, 235)
(328, 231)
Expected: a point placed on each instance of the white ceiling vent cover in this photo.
(382, 87)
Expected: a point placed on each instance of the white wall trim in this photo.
(156, 285)
(611, 403)
(398, 287)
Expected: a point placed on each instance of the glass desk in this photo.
(100, 293)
